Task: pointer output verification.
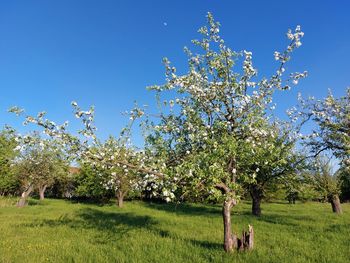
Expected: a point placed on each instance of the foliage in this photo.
(88, 185)
(9, 182)
(343, 175)
(40, 163)
(210, 129)
(332, 116)
(323, 180)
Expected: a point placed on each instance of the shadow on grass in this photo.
(205, 244)
(287, 220)
(109, 225)
(185, 209)
(113, 226)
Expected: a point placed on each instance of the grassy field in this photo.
(61, 231)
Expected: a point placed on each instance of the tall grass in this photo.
(61, 231)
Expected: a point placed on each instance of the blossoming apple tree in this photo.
(331, 133)
(39, 163)
(122, 166)
(209, 129)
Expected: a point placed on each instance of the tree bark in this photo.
(335, 202)
(256, 208)
(23, 200)
(42, 190)
(257, 194)
(230, 241)
(120, 198)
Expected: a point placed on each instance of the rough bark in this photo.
(335, 202)
(256, 208)
(23, 200)
(247, 241)
(257, 194)
(231, 240)
(120, 198)
(42, 190)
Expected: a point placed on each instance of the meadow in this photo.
(64, 231)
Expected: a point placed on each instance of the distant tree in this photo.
(343, 175)
(116, 161)
(332, 132)
(326, 183)
(90, 184)
(297, 186)
(274, 157)
(9, 182)
(105, 159)
(38, 165)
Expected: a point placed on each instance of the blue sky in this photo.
(105, 53)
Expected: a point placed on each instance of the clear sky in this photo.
(105, 53)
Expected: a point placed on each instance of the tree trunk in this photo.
(335, 202)
(256, 209)
(23, 200)
(230, 241)
(257, 194)
(120, 198)
(42, 190)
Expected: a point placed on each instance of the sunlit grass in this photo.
(61, 231)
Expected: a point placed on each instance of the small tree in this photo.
(37, 166)
(326, 184)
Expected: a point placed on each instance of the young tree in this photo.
(210, 130)
(326, 184)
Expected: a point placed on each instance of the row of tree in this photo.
(43, 168)
(214, 138)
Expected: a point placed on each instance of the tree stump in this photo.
(246, 242)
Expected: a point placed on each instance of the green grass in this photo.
(61, 231)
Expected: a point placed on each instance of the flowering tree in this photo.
(212, 127)
(40, 162)
(120, 165)
(106, 157)
(332, 131)
(326, 183)
(332, 116)
(274, 160)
